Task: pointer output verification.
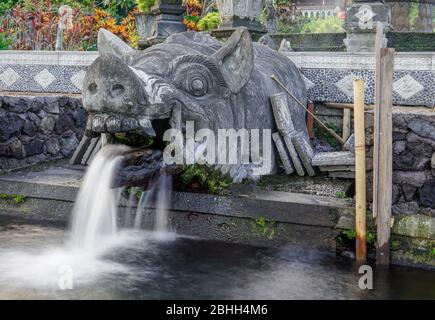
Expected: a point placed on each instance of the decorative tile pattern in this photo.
(78, 78)
(327, 76)
(67, 78)
(9, 77)
(44, 78)
(308, 83)
(407, 87)
(346, 84)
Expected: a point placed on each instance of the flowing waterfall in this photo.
(164, 186)
(95, 211)
(160, 188)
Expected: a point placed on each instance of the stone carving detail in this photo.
(400, 15)
(189, 77)
(424, 21)
(285, 46)
(365, 16)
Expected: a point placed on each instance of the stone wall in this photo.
(39, 128)
(413, 160)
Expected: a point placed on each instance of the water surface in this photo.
(146, 265)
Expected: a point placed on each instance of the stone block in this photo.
(305, 152)
(427, 194)
(338, 158)
(285, 158)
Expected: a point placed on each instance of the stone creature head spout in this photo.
(125, 89)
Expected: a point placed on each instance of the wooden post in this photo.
(360, 171)
(382, 156)
(346, 124)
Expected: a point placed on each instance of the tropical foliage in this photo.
(32, 25)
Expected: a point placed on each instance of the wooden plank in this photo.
(382, 155)
(383, 151)
(285, 158)
(338, 158)
(360, 172)
(346, 124)
(338, 105)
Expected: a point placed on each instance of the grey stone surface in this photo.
(413, 178)
(218, 85)
(427, 194)
(350, 143)
(268, 41)
(47, 125)
(36, 127)
(68, 145)
(338, 158)
(282, 151)
(409, 191)
(305, 152)
(408, 208)
(423, 128)
(10, 126)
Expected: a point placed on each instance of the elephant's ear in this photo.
(236, 59)
(108, 43)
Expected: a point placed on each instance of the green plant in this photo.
(350, 235)
(302, 24)
(321, 133)
(323, 25)
(341, 195)
(211, 21)
(212, 180)
(8, 4)
(144, 5)
(394, 245)
(16, 198)
(265, 227)
(5, 42)
(432, 253)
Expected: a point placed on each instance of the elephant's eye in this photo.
(198, 86)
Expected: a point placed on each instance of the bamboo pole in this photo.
(338, 105)
(360, 171)
(324, 126)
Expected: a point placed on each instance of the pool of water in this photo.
(35, 261)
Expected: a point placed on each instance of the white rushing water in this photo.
(95, 210)
(159, 191)
(83, 253)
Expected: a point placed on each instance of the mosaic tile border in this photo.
(328, 76)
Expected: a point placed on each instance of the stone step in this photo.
(338, 158)
(61, 184)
